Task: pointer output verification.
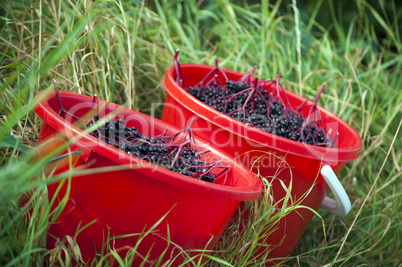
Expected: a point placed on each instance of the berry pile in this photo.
(249, 101)
(173, 152)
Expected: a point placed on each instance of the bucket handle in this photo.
(341, 204)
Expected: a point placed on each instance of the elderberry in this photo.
(249, 101)
(167, 151)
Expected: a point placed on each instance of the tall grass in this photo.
(120, 51)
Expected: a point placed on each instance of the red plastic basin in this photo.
(130, 200)
(249, 144)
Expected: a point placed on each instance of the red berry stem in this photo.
(62, 111)
(209, 169)
(94, 101)
(178, 71)
(247, 78)
(243, 108)
(314, 105)
(179, 150)
(219, 70)
(334, 140)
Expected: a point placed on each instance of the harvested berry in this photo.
(177, 152)
(248, 100)
(173, 152)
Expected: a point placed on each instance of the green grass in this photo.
(121, 51)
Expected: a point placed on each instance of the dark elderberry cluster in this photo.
(173, 152)
(161, 150)
(249, 101)
(260, 109)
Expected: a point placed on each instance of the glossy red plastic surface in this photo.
(265, 150)
(135, 197)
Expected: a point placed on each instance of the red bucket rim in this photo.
(245, 193)
(300, 149)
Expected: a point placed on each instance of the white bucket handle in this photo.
(341, 204)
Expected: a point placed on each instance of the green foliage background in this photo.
(121, 51)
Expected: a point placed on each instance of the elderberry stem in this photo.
(248, 76)
(179, 150)
(94, 101)
(277, 85)
(61, 108)
(224, 169)
(210, 169)
(314, 105)
(267, 103)
(62, 111)
(219, 70)
(243, 108)
(204, 151)
(203, 81)
(301, 106)
(178, 71)
(215, 80)
(334, 140)
(253, 92)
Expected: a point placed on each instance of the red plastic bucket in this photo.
(133, 199)
(250, 144)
